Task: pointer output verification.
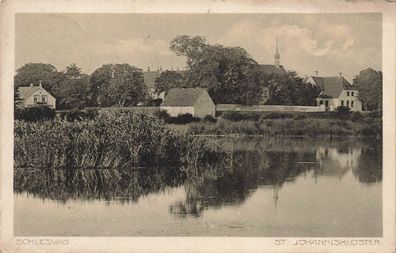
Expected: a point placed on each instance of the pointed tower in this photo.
(277, 55)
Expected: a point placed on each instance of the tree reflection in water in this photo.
(255, 163)
(270, 164)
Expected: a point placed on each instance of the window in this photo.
(347, 93)
(321, 102)
(351, 103)
(342, 102)
(36, 98)
(44, 99)
(347, 103)
(352, 93)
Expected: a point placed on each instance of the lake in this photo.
(274, 187)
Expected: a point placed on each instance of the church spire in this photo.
(277, 55)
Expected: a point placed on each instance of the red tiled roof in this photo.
(182, 96)
(332, 85)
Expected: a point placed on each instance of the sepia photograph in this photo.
(209, 125)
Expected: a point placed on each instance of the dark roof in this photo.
(332, 85)
(149, 78)
(182, 96)
(270, 69)
(26, 91)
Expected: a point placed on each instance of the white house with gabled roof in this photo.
(35, 96)
(196, 102)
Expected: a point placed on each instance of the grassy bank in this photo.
(312, 127)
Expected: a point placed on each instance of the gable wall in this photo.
(29, 101)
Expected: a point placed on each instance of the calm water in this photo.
(276, 187)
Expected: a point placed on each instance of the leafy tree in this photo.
(168, 80)
(291, 89)
(123, 87)
(38, 72)
(73, 91)
(369, 85)
(229, 73)
(100, 77)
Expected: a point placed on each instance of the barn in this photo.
(189, 100)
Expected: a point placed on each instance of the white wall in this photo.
(29, 101)
(204, 106)
(335, 102)
(176, 110)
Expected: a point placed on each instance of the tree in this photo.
(229, 73)
(168, 80)
(73, 91)
(34, 73)
(369, 85)
(123, 87)
(291, 89)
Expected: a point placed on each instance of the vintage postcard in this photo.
(217, 126)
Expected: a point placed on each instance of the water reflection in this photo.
(271, 163)
(255, 163)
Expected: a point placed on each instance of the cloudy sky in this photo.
(328, 43)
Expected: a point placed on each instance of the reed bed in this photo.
(111, 140)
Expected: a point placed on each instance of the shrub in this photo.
(278, 115)
(182, 119)
(210, 118)
(356, 116)
(238, 116)
(343, 112)
(300, 116)
(36, 113)
(79, 114)
(162, 114)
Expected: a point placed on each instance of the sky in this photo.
(327, 43)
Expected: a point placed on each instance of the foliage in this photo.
(291, 90)
(34, 73)
(210, 118)
(290, 127)
(229, 73)
(369, 85)
(124, 85)
(79, 114)
(168, 80)
(73, 90)
(343, 112)
(36, 113)
(238, 116)
(182, 119)
(108, 141)
(162, 114)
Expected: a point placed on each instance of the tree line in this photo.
(230, 75)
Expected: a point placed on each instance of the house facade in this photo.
(35, 96)
(336, 91)
(197, 102)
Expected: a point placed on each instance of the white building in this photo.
(197, 102)
(35, 96)
(336, 91)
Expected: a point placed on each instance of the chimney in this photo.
(340, 75)
(316, 73)
(40, 84)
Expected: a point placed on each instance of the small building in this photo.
(336, 91)
(189, 100)
(35, 96)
